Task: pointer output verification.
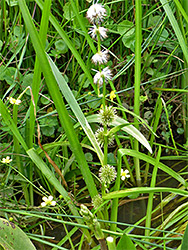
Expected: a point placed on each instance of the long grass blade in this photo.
(76, 109)
(128, 128)
(152, 161)
(143, 190)
(65, 37)
(58, 100)
(175, 27)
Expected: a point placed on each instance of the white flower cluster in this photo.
(96, 15)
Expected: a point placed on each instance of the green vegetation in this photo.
(93, 124)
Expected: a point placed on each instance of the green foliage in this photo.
(184, 245)
(127, 31)
(125, 243)
(12, 237)
(50, 137)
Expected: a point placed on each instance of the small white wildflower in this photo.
(48, 201)
(124, 174)
(14, 101)
(96, 13)
(6, 160)
(105, 74)
(98, 30)
(107, 174)
(100, 57)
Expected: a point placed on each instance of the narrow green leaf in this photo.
(76, 109)
(58, 100)
(152, 161)
(143, 190)
(82, 25)
(181, 9)
(10, 123)
(37, 68)
(129, 129)
(176, 28)
(52, 179)
(71, 46)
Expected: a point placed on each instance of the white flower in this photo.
(98, 30)
(48, 201)
(124, 174)
(105, 74)
(96, 12)
(100, 57)
(14, 101)
(6, 160)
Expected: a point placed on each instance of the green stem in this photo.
(150, 199)
(125, 161)
(184, 77)
(138, 41)
(114, 211)
(111, 243)
(18, 160)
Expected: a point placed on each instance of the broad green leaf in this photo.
(13, 238)
(184, 245)
(126, 27)
(61, 46)
(67, 11)
(125, 243)
(127, 30)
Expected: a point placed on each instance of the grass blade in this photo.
(152, 161)
(65, 37)
(143, 190)
(58, 100)
(129, 129)
(175, 27)
(76, 109)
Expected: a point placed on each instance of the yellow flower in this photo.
(6, 160)
(14, 101)
(112, 95)
(48, 201)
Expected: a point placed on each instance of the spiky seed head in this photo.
(100, 135)
(107, 115)
(107, 174)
